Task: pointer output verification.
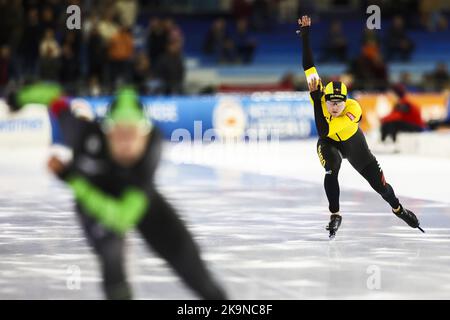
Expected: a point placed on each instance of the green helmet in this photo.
(35, 93)
(127, 108)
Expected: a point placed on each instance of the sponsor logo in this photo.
(321, 159)
(229, 119)
(350, 115)
(21, 125)
(162, 111)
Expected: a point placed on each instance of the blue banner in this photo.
(255, 116)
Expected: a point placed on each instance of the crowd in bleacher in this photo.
(36, 44)
(119, 43)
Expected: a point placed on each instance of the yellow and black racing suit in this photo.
(340, 137)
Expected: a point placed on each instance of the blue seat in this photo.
(280, 49)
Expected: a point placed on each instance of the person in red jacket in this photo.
(405, 117)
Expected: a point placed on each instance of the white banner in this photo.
(27, 127)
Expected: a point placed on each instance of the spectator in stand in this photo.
(170, 69)
(215, 37)
(94, 88)
(48, 19)
(241, 9)
(157, 39)
(142, 73)
(369, 70)
(263, 12)
(219, 44)
(49, 57)
(245, 44)
(59, 6)
(96, 52)
(398, 44)
(406, 80)
(336, 44)
(405, 116)
(174, 33)
(107, 26)
(29, 46)
(70, 58)
(228, 54)
(11, 24)
(439, 79)
(5, 22)
(120, 54)
(432, 15)
(7, 68)
(370, 36)
(127, 11)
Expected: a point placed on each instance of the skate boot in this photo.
(409, 217)
(333, 226)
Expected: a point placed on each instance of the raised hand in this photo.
(304, 21)
(315, 84)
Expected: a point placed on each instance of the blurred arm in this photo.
(118, 214)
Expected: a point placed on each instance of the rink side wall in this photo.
(250, 117)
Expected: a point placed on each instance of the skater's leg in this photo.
(109, 248)
(331, 160)
(366, 164)
(168, 236)
(374, 175)
(362, 159)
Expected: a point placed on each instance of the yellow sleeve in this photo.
(310, 74)
(350, 116)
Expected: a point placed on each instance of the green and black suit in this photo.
(110, 200)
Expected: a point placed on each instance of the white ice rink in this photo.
(259, 214)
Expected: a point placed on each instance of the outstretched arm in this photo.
(307, 56)
(117, 214)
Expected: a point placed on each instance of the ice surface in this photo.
(260, 222)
